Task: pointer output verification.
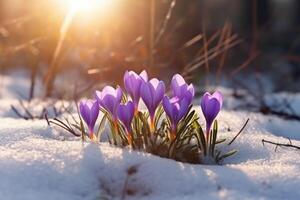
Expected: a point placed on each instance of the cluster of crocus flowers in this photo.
(123, 106)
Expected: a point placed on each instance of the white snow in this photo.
(39, 162)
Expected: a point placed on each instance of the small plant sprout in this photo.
(89, 111)
(152, 93)
(132, 84)
(174, 130)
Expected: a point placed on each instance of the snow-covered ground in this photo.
(39, 162)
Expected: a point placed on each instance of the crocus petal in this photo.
(188, 97)
(191, 89)
(184, 107)
(218, 95)
(128, 82)
(204, 101)
(154, 83)
(168, 107)
(108, 102)
(147, 95)
(108, 90)
(94, 114)
(171, 108)
(177, 89)
(119, 94)
(177, 81)
(98, 96)
(84, 112)
(144, 75)
(159, 93)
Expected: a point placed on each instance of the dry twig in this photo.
(290, 145)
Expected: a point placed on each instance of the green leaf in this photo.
(202, 139)
(220, 141)
(122, 134)
(189, 109)
(189, 117)
(101, 127)
(113, 131)
(183, 125)
(214, 137)
(189, 126)
(82, 129)
(124, 98)
(158, 115)
(230, 153)
(217, 157)
(78, 127)
(145, 127)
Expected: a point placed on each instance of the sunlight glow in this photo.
(88, 6)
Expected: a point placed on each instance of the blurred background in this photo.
(73, 46)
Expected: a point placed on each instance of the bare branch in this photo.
(239, 132)
(290, 145)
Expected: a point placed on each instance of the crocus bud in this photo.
(175, 109)
(181, 89)
(89, 111)
(211, 106)
(109, 98)
(125, 114)
(132, 83)
(152, 93)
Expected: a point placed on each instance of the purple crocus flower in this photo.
(175, 109)
(89, 111)
(152, 93)
(132, 83)
(125, 114)
(109, 98)
(181, 89)
(211, 106)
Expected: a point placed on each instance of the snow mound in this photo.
(36, 164)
